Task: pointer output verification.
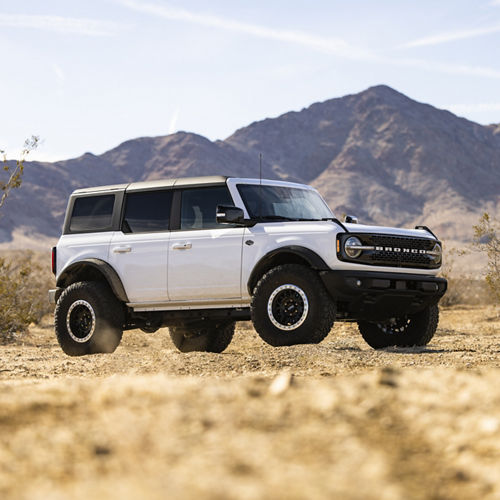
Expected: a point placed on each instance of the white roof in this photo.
(188, 181)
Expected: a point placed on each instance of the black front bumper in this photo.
(377, 296)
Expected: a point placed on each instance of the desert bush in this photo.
(24, 282)
(13, 174)
(466, 291)
(453, 295)
(463, 289)
(487, 240)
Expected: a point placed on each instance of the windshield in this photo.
(283, 203)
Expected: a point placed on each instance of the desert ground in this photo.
(334, 420)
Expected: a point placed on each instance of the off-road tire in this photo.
(207, 337)
(413, 330)
(102, 322)
(285, 318)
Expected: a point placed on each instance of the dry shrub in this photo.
(24, 282)
(466, 291)
(463, 289)
(487, 240)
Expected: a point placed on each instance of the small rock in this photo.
(388, 376)
(281, 383)
(101, 450)
(489, 425)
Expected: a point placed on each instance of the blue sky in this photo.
(86, 75)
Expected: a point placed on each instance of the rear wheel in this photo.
(291, 306)
(414, 329)
(209, 336)
(88, 319)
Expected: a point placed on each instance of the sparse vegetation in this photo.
(487, 240)
(23, 293)
(14, 174)
(463, 289)
(22, 279)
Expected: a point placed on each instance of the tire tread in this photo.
(272, 335)
(106, 306)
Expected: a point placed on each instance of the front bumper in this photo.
(374, 296)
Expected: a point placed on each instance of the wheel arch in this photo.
(93, 270)
(293, 254)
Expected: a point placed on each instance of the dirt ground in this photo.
(334, 420)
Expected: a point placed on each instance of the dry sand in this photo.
(335, 420)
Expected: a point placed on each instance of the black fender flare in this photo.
(100, 266)
(306, 254)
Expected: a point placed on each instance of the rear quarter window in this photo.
(92, 213)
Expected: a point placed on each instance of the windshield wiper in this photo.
(273, 217)
(283, 217)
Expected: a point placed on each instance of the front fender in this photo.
(303, 253)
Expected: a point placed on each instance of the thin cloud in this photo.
(451, 36)
(479, 107)
(59, 24)
(335, 46)
(58, 72)
(172, 127)
(332, 46)
(443, 67)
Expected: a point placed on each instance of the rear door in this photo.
(204, 257)
(139, 251)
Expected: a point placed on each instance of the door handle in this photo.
(181, 246)
(122, 249)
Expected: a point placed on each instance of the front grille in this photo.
(393, 251)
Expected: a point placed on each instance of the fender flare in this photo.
(306, 254)
(102, 267)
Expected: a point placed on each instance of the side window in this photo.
(147, 211)
(198, 207)
(92, 213)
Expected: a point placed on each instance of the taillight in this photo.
(54, 260)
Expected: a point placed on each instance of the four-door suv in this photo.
(199, 254)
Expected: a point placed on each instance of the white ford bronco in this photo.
(199, 254)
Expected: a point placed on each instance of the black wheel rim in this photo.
(80, 321)
(396, 326)
(288, 307)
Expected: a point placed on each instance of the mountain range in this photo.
(377, 154)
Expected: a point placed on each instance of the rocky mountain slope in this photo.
(377, 154)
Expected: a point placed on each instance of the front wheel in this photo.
(412, 330)
(208, 336)
(88, 319)
(291, 306)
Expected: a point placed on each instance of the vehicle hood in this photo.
(361, 228)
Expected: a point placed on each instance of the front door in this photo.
(204, 257)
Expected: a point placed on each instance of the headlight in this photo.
(436, 253)
(350, 247)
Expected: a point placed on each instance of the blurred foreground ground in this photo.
(351, 423)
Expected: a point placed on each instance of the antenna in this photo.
(260, 184)
(260, 168)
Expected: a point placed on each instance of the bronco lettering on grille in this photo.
(400, 250)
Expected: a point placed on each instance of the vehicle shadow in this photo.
(422, 350)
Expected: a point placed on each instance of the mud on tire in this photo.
(412, 330)
(88, 319)
(209, 336)
(291, 306)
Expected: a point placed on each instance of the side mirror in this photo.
(229, 215)
(351, 219)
